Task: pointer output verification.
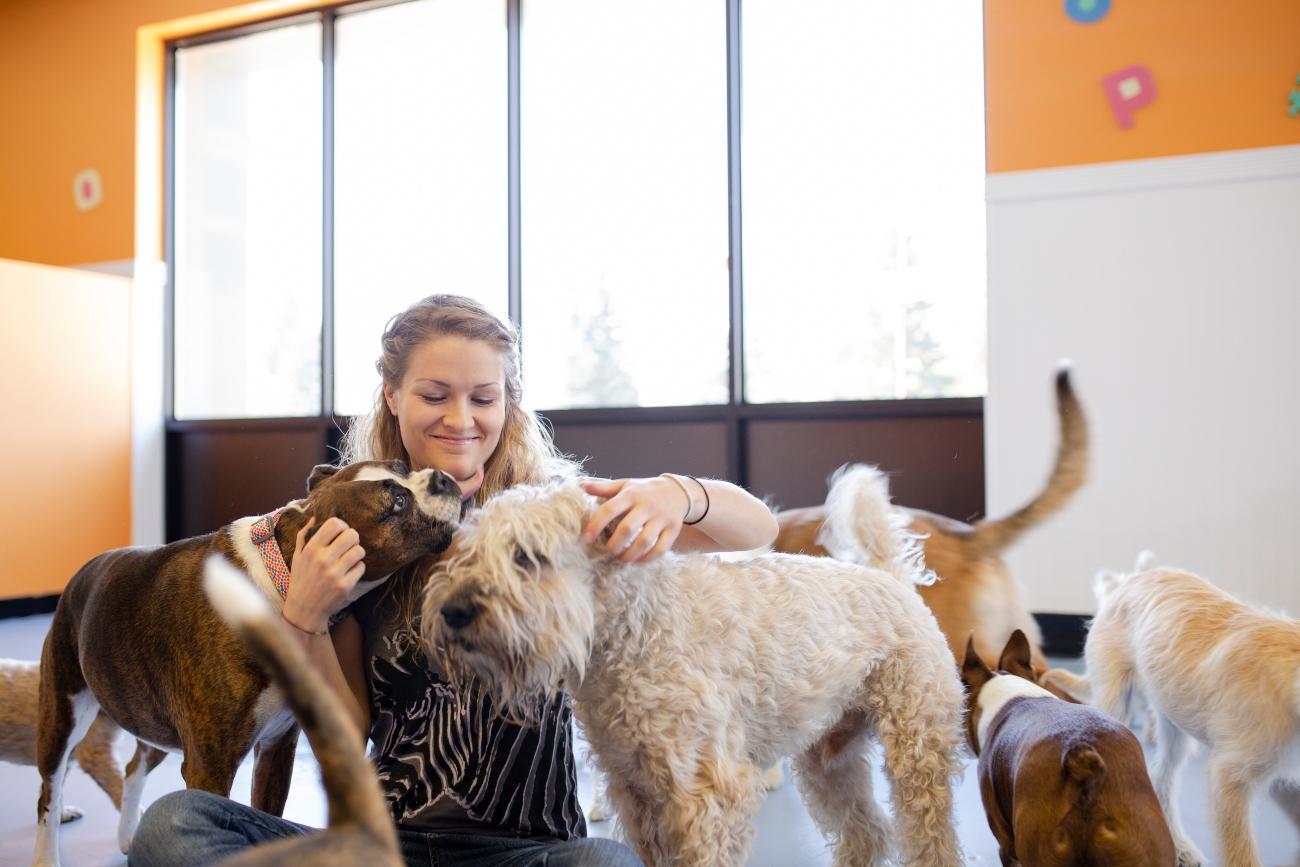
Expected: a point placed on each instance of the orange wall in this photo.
(65, 358)
(67, 103)
(1223, 70)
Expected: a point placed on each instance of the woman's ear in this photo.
(390, 398)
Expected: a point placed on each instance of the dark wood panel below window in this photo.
(934, 463)
(216, 476)
(636, 449)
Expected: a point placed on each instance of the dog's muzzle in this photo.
(458, 615)
(441, 484)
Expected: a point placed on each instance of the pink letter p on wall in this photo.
(1128, 90)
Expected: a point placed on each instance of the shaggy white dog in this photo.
(690, 675)
(1208, 668)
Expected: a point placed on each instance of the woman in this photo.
(465, 786)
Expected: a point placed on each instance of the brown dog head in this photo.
(400, 514)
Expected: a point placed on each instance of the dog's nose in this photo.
(441, 484)
(459, 615)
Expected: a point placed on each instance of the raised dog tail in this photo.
(862, 527)
(355, 801)
(1085, 766)
(1068, 475)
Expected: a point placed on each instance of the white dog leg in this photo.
(146, 758)
(1172, 748)
(84, 708)
(600, 809)
(841, 800)
(1230, 788)
(774, 776)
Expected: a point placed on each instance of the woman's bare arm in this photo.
(652, 515)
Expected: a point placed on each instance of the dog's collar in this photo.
(263, 533)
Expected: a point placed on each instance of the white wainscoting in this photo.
(1174, 285)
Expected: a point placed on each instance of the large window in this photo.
(624, 188)
(681, 202)
(248, 216)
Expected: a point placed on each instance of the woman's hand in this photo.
(325, 569)
(652, 511)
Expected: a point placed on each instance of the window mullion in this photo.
(512, 158)
(327, 214)
(736, 270)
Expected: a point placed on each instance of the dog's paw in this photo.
(126, 830)
(1190, 858)
(70, 813)
(598, 813)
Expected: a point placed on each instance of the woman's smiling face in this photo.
(450, 406)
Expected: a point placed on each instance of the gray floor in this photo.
(786, 835)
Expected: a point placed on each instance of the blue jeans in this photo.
(192, 828)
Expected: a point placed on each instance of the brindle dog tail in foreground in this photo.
(360, 828)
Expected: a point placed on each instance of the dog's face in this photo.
(399, 514)
(512, 603)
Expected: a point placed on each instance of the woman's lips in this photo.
(456, 441)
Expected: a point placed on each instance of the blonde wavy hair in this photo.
(525, 453)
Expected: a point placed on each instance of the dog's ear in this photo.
(974, 673)
(320, 473)
(1017, 657)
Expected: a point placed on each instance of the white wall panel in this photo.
(1174, 285)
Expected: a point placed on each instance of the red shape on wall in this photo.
(1128, 90)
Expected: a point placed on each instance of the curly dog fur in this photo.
(690, 675)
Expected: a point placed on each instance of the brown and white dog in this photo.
(1212, 669)
(360, 826)
(976, 591)
(20, 682)
(1063, 784)
(133, 635)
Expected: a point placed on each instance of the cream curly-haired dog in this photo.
(690, 675)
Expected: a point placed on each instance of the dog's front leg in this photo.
(273, 772)
(1231, 785)
(710, 819)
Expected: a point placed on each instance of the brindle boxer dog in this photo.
(134, 635)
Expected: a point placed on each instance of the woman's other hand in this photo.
(325, 569)
(651, 513)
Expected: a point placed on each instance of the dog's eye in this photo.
(524, 561)
(399, 502)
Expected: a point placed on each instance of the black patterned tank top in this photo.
(447, 762)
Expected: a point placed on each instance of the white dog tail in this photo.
(1108, 581)
(862, 527)
(355, 800)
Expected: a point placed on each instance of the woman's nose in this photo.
(458, 415)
